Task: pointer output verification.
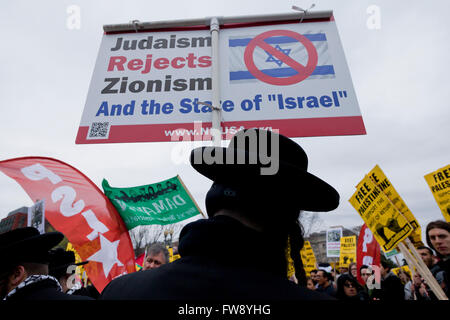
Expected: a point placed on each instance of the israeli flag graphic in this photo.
(274, 67)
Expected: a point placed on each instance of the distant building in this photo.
(15, 219)
(318, 243)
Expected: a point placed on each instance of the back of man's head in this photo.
(386, 265)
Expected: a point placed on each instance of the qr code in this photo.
(99, 130)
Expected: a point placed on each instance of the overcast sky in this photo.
(399, 72)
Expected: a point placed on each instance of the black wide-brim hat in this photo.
(60, 259)
(27, 245)
(256, 146)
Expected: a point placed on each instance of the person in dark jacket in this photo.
(24, 269)
(391, 285)
(253, 208)
(438, 238)
(325, 283)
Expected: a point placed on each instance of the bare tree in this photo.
(311, 222)
(142, 236)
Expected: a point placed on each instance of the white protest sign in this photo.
(293, 77)
(334, 236)
(36, 216)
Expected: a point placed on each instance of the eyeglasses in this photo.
(349, 285)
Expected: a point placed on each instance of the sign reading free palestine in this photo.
(291, 77)
(162, 203)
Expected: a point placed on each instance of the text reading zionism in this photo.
(139, 58)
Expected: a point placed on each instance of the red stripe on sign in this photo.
(311, 127)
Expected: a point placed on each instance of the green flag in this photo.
(162, 203)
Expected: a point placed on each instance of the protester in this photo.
(426, 255)
(62, 267)
(156, 255)
(24, 268)
(364, 273)
(310, 284)
(347, 289)
(438, 238)
(405, 278)
(245, 205)
(419, 290)
(353, 270)
(342, 270)
(325, 283)
(391, 285)
(313, 275)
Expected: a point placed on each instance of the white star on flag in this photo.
(107, 255)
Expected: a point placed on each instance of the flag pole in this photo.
(190, 195)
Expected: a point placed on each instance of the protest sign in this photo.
(150, 85)
(384, 220)
(334, 242)
(164, 202)
(348, 251)
(382, 182)
(76, 207)
(36, 216)
(391, 253)
(406, 269)
(439, 183)
(308, 258)
(367, 251)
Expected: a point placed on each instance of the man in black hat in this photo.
(62, 267)
(24, 268)
(260, 185)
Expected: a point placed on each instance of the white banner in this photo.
(292, 77)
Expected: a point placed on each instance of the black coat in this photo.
(43, 290)
(220, 259)
(392, 288)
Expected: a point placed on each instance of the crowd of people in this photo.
(239, 252)
(344, 284)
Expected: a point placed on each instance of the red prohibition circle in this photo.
(303, 72)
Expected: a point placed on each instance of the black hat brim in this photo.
(65, 266)
(313, 193)
(32, 249)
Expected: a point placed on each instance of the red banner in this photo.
(367, 251)
(75, 206)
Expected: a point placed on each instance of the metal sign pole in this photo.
(215, 129)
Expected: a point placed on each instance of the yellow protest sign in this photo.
(308, 258)
(406, 269)
(175, 257)
(348, 251)
(172, 257)
(170, 249)
(290, 262)
(380, 179)
(387, 224)
(439, 183)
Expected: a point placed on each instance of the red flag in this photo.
(140, 260)
(75, 206)
(368, 250)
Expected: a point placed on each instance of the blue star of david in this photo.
(278, 62)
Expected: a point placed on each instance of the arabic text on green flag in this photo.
(162, 203)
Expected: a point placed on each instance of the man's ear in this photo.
(19, 274)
